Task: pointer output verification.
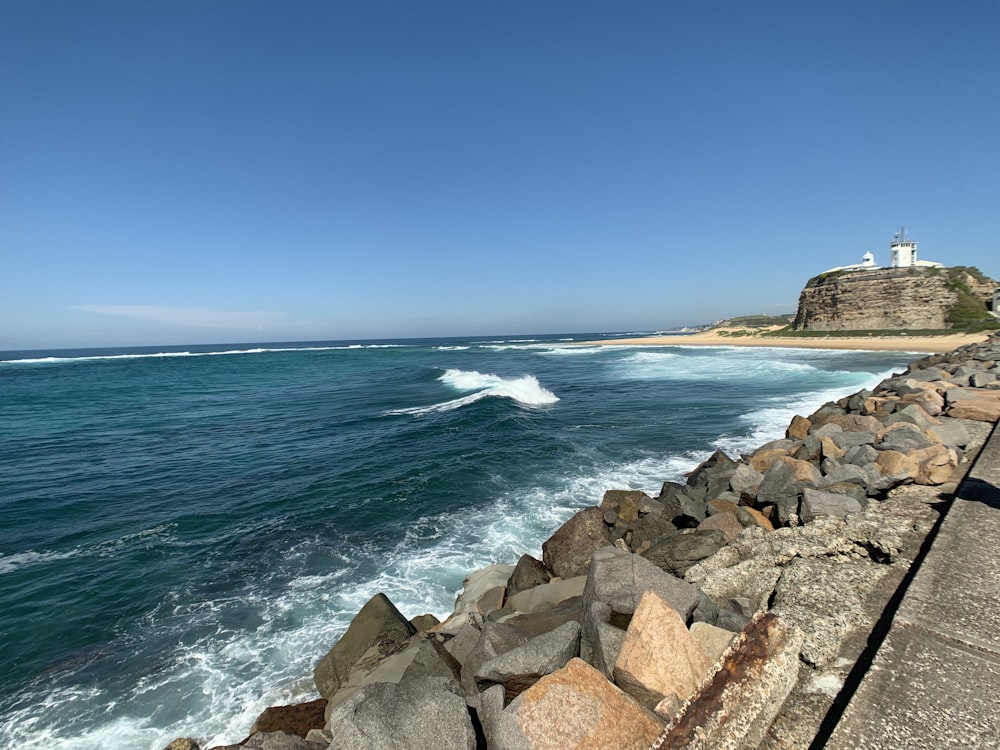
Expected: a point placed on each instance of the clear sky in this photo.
(227, 171)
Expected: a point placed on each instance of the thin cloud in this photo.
(194, 317)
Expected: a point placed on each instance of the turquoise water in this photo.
(185, 532)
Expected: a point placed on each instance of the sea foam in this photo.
(525, 390)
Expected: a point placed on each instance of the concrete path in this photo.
(935, 681)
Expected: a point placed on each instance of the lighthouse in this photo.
(903, 250)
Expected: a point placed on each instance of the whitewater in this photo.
(185, 534)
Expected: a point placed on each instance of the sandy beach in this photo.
(718, 337)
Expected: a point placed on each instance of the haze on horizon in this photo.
(193, 173)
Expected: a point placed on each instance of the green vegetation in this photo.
(758, 321)
(968, 310)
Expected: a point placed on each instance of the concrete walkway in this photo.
(935, 680)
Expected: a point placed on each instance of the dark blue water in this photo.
(184, 532)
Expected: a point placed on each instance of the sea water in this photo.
(184, 532)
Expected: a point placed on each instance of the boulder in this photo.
(522, 666)
(279, 741)
(725, 523)
(419, 713)
(575, 708)
(783, 483)
(567, 552)
(183, 743)
(979, 409)
(736, 707)
(855, 423)
(495, 638)
(952, 433)
(659, 656)
(528, 573)
(378, 626)
(935, 464)
(675, 554)
(483, 590)
(745, 480)
(914, 414)
(713, 640)
(817, 503)
(547, 595)
(904, 437)
(615, 585)
(295, 719)
(748, 516)
(423, 623)
(798, 429)
(625, 503)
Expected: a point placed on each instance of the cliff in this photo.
(914, 298)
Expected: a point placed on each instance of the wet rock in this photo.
(527, 574)
(297, 719)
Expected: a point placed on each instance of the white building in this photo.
(904, 252)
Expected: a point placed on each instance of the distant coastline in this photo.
(725, 337)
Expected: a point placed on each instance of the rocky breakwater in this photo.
(725, 612)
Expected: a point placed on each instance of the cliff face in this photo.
(894, 299)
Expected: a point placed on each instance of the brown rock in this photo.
(855, 423)
(659, 656)
(295, 719)
(713, 640)
(727, 523)
(763, 460)
(831, 449)
(748, 516)
(798, 429)
(935, 464)
(979, 409)
(567, 552)
(183, 743)
(930, 401)
(803, 471)
(896, 465)
(576, 708)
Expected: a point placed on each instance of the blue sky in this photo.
(193, 172)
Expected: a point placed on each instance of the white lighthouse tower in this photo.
(903, 249)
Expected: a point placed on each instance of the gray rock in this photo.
(816, 503)
(825, 430)
(496, 638)
(982, 379)
(676, 553)
(379, 624)
(567, 552)
(781, 489)
(952, 433)
(417, 714)
(847, 440)
(913, 414)
(745, 479)
(906, 437)
(521, 667)
(615, 585)
(528, 573)
(860, 455)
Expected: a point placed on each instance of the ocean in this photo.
(185, 531)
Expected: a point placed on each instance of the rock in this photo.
(935, 464)
(423, 623)
(615, 584)
(847, 440)
(483, 590)
(675, 554)
(829, 449)
(952, 433)
(548, 595)
(798, 429)
(762, 460)
(496, 638)
(914, 414)
(659, 655)
(783, 484)
(652, 527)
(736, 707)
(575, 708)
(726, 523)
(855, 423)
(980, 409)
(567, 552)
(295, 719)
(415, 714)
(713, 640)
(279, 741)
(816, 503)
(521, 667)
(930, 401)
(625, 503)
(432, 659)
(183, 743)
(380, 625)
(745, 480)
(701, 474)
(527, 574)
(748, 516)
(896, 466)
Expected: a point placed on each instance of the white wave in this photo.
(770, 422)
(10, 563)
(225, 352)
(525, 390)
(451, 348)
(562, 351)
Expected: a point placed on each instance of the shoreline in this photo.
(923, 344)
